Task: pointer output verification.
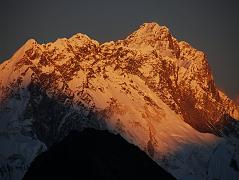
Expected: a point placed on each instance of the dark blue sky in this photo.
(209, 25)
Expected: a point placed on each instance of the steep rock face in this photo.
(157, 92)
(94, 154)
(181, 76)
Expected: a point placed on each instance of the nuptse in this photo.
(156, 91)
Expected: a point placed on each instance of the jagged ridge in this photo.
(144, 87)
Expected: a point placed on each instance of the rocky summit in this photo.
(154, 90)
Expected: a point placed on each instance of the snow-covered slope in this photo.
(154, 90)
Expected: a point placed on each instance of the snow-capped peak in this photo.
(150, 29)
(152, 37)
(157, 92)
(21, 51)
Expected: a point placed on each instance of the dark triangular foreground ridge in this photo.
(154, 90)
(94, 154)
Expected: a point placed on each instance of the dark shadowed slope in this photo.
(94, 154)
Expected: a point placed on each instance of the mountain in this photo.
(154, 90)
(94, 154)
